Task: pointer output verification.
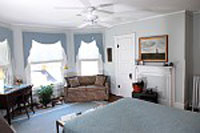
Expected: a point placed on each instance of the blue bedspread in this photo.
(135, 116)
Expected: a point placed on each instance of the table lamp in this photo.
(2, 76)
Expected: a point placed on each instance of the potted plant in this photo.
(45, 94)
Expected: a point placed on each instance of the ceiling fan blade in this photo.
(68, 8)
(79, 15)
(104, 11)
(83, 25)
(104, 24)
(105, 5)
(86, 3)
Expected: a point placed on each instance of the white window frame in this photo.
(7, 67)
(42, 62)
(100, 65)
(98, 61)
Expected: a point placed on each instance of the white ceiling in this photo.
(44, 13)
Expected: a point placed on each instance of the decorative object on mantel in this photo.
(153, 48)
(138, 86)
(141, 62)
(168, 64)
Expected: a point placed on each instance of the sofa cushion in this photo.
(87, 88)
(100, 80)
(78, 88)
(95, 88)
(73, 82)
(87, 80)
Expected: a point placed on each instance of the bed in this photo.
(135, 116)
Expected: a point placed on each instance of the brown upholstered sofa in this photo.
(86, 90)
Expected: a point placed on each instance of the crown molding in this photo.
(40, 26)
(149, 18)
(5, 24)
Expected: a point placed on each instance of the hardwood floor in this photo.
(113, 98)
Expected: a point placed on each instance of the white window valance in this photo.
(4, 53)
(88, 51)
(46, 52)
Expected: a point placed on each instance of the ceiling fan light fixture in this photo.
(91, 17)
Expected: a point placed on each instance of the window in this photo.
(2, 78)
(5, 64)
(89, 67)
(46, 68)
(89, 59)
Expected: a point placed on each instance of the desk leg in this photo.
(57, 126)
(32, 103)
(8, 116)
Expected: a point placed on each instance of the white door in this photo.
(125, 61)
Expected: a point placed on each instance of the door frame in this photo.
(133, 34)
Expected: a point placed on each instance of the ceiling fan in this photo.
(88, 12)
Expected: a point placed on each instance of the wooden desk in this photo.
(8, 98)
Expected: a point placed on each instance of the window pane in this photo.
(89, 68)
(46, 73)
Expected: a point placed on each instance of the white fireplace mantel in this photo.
(161, 78)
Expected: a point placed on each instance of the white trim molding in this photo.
(161, 79)
(178, 105)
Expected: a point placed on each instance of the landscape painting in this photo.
(153, 48)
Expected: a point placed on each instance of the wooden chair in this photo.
(25, 100)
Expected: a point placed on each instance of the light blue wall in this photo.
(42, 38)
(89, 37)
(174, 26)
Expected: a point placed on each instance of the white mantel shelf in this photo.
(158, 66)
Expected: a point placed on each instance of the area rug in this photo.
(44, 121)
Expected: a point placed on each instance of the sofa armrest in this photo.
(107, 85)
(66, 90)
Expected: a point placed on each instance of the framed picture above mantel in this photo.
(154, 48)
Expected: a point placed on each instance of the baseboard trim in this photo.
(178, 105)
(186, 105)
(163, 102)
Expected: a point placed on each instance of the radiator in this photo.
(196, 92)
